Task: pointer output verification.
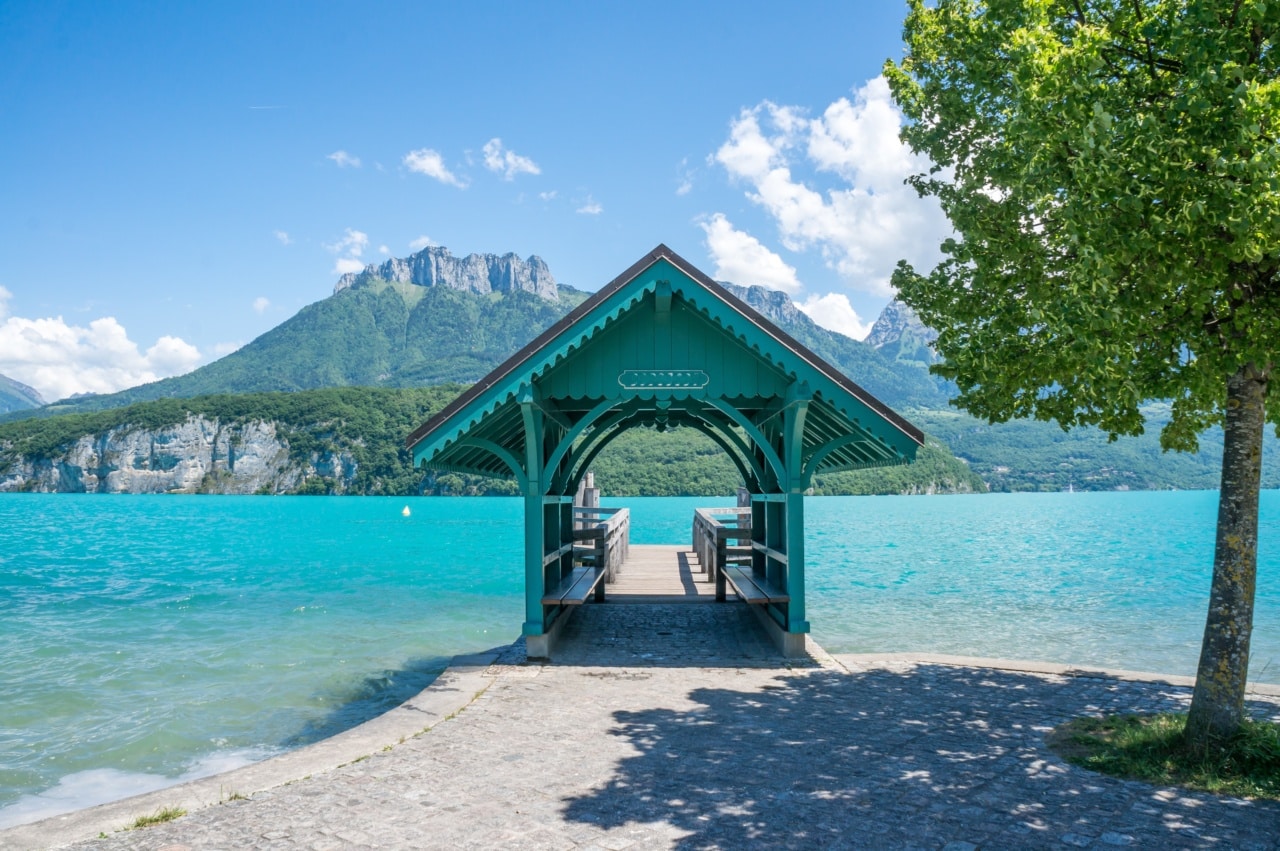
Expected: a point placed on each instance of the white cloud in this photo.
(59, 360)
(507, 162)
(429, 162)
(284, 238)
(591, 207)
(5, 295)
(833, 312)
(741, 259)
(866, 222)
(686, 177)
(261, 303)
(344, 160)
(422, 242)
(353, 242)
(549, 196)
(384, 249)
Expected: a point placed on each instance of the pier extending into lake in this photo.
(721, 564)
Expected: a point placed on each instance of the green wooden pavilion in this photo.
(663, 345)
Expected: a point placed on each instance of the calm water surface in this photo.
(149, 639)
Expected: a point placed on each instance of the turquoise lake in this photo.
(145, 640)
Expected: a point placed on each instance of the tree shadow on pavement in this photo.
(921, 756)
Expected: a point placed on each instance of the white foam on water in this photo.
(103, 785)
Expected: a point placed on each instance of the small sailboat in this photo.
(405, 512)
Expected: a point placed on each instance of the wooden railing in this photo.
(713, 530)
(602, 538)
(730, 566)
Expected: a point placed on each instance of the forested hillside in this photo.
(375, 332)
(378, 334)
(1029, 455)
(350, 440)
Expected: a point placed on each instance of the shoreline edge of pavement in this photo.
(451, 692)
(466, 678)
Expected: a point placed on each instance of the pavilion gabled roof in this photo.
(620, 345)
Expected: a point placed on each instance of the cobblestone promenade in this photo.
(676, 726)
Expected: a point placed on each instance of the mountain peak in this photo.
(436, 266)
(16, 396)
(899, 334)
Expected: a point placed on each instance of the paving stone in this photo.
(705, 738)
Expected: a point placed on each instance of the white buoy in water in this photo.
(405, 512)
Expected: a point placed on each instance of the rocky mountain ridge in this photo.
(899, 334)
(433, 318)
(16, 396)
(482, 274)
(374, 334)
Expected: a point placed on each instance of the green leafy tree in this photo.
(1112, 171)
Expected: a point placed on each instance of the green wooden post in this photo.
(798, 396)
(796, 622)
(534, 516)
(534, 547)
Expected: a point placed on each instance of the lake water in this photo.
(145, 640)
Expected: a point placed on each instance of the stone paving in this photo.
(677, 727)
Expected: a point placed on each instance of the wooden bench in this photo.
(752, 588)
(576, 587)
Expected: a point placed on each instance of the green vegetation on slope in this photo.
(1030, 455)
(370, 425)
(378, 334)
(683, 462)
(404, 335)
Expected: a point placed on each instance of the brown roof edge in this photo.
(659, 253)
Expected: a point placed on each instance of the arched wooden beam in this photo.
(585, 460)
(566, 476)
(503, 455)
(566, 442)
(755, 435)
(718, 426)
(811, 465)
(747, 468)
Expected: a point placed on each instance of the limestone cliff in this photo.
(774, 305)
(477, 273)
(200, 455)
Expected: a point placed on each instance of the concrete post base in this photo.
(790, 644)
(540, 647)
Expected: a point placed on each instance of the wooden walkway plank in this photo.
(661, 574)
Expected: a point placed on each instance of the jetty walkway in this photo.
(680, 726)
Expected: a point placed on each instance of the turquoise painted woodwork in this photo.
(663, 345)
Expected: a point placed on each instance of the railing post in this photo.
(721, 553)
(721, 590)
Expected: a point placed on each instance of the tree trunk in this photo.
(1217, 705)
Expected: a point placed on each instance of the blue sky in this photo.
(179, 178)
